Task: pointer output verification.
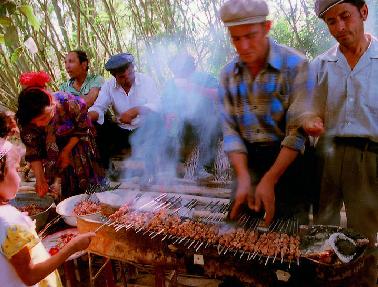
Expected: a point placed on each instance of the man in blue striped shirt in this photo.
(261, 137)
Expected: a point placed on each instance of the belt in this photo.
(360, 143)
(263, 146)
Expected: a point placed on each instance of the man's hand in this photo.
(314, 126)
(127, 117)
(241, 196)
(264, 196)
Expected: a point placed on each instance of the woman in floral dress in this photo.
(59, 140)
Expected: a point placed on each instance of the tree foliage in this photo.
(150, 29)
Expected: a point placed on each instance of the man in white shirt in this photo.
(131, 96)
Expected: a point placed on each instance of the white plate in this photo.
(65, 208)
(52, 240)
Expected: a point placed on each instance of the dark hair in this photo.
(4, 125)
(121, 69)
(182, 64)
(357, 3)
(31, 103)
(83, 57)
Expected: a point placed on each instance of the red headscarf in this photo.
(34, 79)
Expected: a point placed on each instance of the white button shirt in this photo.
(347, 99)
(142, 93)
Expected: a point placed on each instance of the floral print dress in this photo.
(44, 144)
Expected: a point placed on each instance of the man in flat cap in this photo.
(130, 94)
(261, 137)
(344, 110)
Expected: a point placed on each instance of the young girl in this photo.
(23, 259)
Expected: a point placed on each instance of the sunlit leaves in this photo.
(16, 55)
(27, 10)
(11, 36)
(5, 21)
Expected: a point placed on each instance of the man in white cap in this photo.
(131, 96)
(344, 110)
(261, 137)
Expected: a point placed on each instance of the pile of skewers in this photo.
(279, 242)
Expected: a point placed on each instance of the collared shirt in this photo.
(91, 81)
(259, 110)
(142, 93)
(347, 99)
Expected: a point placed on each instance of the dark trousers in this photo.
(111, 140)
(292, 199)
(350, 176)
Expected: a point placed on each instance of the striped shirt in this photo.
(261, 110)
(347, 99)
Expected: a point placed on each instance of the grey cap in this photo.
(322, 6)
(241, 12)
(118, 61)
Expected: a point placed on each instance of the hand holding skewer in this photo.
(242, 191)
(264, 197)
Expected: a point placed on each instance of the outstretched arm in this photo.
(31, 273)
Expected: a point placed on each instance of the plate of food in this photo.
(36, 207)
(56, 241)
(66, 208)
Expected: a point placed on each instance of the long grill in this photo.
(198, 226)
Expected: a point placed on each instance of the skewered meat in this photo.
(86, 207)
(268, 244)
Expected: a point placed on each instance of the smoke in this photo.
(184, 136)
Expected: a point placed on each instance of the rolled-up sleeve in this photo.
(34, 141)
(231, 135)
(301, 90)
(102, 102)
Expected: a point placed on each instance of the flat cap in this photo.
(241, 12)
(118, 61)
(322, 6)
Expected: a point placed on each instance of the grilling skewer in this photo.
(48, 225)
(197, 234)
(157, 199)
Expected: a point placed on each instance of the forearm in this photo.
(31, 273)
(135, 111)
(71, 144)
(284, 159)
(91, 97)
(38, 171)
(239, 162)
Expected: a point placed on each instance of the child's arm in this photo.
(31, 273)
